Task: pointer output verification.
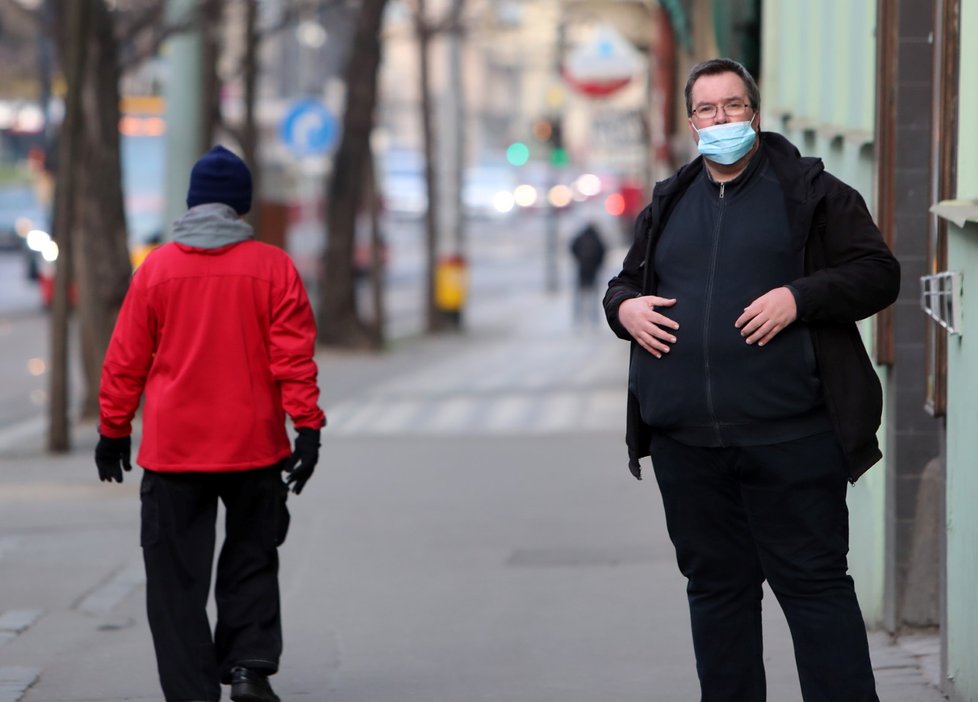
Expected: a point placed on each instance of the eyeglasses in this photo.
(731, 109)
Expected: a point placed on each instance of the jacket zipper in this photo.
(706, 320)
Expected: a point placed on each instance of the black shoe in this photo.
(251, 686)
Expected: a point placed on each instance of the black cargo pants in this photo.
(179, 515)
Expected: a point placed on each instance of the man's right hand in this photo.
(651, 329)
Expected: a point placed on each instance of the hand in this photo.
(112, 456)
(648, 327)
(635, 469)
(767, 315)
(300, 465)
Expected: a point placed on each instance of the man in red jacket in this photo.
(217, 333)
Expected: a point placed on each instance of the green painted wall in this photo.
(962, 472)
(818, 88)
(962, 405)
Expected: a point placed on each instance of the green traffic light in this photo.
(518, 153)
(559, 157)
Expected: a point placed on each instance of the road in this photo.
(477, 538)
(506, 257)
(472, 533)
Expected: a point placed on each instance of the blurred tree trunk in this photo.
(69, 141)
(448, 211)
(433, 318)
(372, 198)
(249, 129)
(339, 323)
(211, 14)
(101, 264)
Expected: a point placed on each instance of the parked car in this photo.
(20, 212)
(403, 190)
(488, 191)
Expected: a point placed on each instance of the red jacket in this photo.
(221, 341)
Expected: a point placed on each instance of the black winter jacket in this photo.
(850, 274)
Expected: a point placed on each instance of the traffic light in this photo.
(559, 157)
(558, 154)
(518, 153)
(542, 129)
(549, 131)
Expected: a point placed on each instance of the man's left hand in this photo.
(112, 456)
(299, 467)
(767, 315)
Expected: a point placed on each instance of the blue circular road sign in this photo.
(308, 128)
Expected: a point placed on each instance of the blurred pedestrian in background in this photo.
(750, 387)
(588, 250)
(217, 332)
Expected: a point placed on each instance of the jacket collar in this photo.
(796, 173)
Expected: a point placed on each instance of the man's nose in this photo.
(721, 117)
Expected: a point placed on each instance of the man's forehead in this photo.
(724, 86)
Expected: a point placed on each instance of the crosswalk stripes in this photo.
(453, 412)
(15, 621)
(14, 681)
(506, 413)
(536, 382)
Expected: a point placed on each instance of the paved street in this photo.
(472, 533)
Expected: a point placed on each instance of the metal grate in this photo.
(940, 298)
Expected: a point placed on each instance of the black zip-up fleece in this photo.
(849, 274)
(725, 245)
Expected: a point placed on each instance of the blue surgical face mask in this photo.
(726, 143)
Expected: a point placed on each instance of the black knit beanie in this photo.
(220, 176)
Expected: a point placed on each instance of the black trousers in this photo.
(738, 516)
(179, 515)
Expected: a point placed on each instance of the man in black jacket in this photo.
(751, 389)
(588, 250)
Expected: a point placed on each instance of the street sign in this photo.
(308, 128)
(603, 65)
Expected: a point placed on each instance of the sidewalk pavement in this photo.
(68, 562)
(907, 668)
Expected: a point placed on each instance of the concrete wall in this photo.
(818, 88)
(962, 414)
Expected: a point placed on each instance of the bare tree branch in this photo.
(138, 21)
(132, 53)
(452, 21)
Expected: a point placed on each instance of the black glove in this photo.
(111, 456)
(300, 465)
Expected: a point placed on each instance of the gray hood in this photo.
(211, 226)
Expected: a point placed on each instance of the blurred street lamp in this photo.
(525, 195)
(560, 196)
(311, 34)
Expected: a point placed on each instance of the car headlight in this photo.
(50, 252)
(503, 201)
(37, 239)
(525, 195)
